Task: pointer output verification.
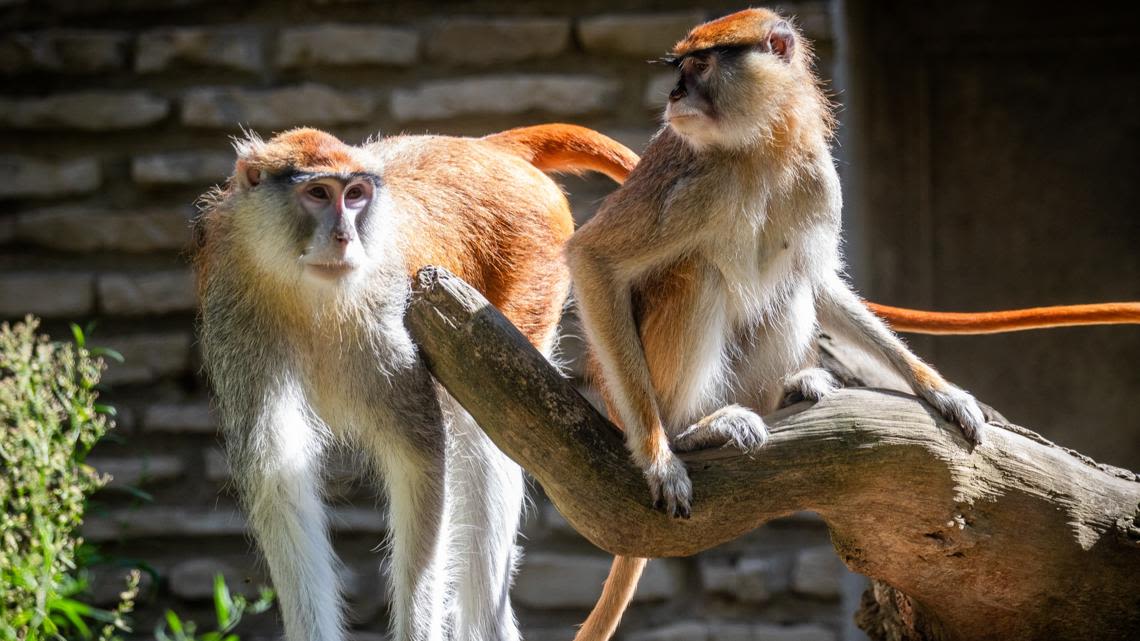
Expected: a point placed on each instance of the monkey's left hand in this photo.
(959, 406)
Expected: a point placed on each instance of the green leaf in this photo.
(223, 601)
(140, 494)
(263, 602)
(72, 611)
(174, 623)
(112, 354)
(107, 410)
(77, 333)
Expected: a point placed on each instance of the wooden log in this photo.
(1015, 539)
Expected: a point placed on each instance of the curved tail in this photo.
(616, 595)
(922, 322)
(568, 148)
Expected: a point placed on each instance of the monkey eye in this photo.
(318, 192)
(354, 193)
(701, 65)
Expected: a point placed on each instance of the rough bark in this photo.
(1015, 539)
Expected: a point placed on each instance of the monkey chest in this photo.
(755, 275)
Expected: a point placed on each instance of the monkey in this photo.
(304, 260)
(702, 280)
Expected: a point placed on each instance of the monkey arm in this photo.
(840, 309)
(606, 307)
(1018, 538)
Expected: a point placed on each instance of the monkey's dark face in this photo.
(318, 226)
(333, 222)
(306, 208)
(726, 96)
(692, 107)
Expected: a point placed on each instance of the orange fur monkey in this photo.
(702, 281)
(303, 263)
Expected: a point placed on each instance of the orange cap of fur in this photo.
(746, 27)
(302, 149)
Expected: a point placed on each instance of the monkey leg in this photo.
(417, 503)
(485, 490)
(730, 425)
(276, 465)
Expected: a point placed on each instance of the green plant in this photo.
(228, 609)
(49, 419)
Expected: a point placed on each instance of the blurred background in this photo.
(988, 152)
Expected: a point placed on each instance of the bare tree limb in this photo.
(1016, 539)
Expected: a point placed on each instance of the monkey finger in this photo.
(683, 511)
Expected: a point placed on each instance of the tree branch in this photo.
(1018, 538)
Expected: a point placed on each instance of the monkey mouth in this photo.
(331, 270)
(683, 115)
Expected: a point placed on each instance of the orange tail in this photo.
(616, 595)
(569, 148)
(920, 322)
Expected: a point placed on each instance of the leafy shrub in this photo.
(228, 610)
(49, 420)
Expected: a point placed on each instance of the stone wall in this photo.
(115, 116)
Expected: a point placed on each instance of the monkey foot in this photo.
(959, 406)
(811, 384)
(670, 487)
(731, 425)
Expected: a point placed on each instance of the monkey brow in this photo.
(721, 51)
(296, 177)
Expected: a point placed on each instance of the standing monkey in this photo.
(702, 281)
(303, 273)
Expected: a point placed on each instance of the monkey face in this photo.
(304, 206)
(333, 222)
(733, 79)
(691, 109)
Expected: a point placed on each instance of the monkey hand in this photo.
(731, 425)
(670, 487)
(811, 384)
(959, 406)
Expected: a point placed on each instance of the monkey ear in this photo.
(782, 41)
(247, 175)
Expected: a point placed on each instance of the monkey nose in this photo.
(677, 93)
(342, 237)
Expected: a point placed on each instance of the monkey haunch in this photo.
(303, 270)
